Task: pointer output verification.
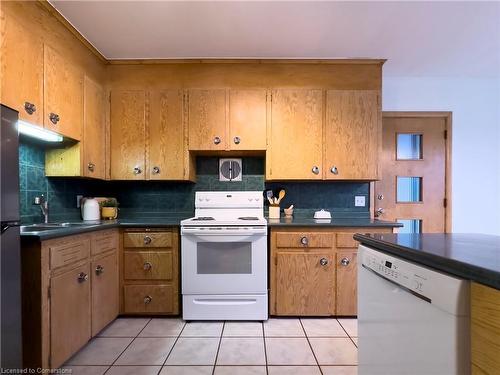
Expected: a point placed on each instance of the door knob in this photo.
(380, 197)
(147, 300)
(54, 118)
(30, 108)
(237, 140)
(345, 261)
(315, 169)
(334, 170)
(304, 241)
(217, 140)
(323, 261)
(379, 212)
(82, 276)
(137, 170)
(156, 170)
(91, 167)
(99, 269)
(147, 240)
(147, 266)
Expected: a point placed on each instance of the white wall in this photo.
(475, 104)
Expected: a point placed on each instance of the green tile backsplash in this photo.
(157, 198)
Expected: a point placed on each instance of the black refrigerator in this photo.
(10, 250)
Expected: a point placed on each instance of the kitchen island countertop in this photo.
(473, 257)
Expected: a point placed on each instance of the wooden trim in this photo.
(447, 115)
(349, 61)
(55, 13)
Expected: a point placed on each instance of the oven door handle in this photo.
(225, 302)
(224, 237)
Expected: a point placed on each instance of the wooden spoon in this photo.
(281, 195)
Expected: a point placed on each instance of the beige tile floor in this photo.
(169, 346)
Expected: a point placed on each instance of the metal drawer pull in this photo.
(54, 118)
(82, 276)
(156, 170)
(345, 261)
(334, 170)
(91, 167)
(137, 170)
(147, 300)
(237, 140)
(147, 266)
(147, 240)
(304, 241)
(99, 269)
(323, 261)
(217, 140)
(30, 108)
(315, 169)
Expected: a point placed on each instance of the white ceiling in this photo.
(418, 38)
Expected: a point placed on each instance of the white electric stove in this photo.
(224, 257)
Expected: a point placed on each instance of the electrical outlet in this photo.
(78, 200)
(359, 201)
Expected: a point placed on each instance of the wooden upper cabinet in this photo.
(207, 119)
(22, 71)
(63, 95)
(167, 146)
(247, 119)
(296, 135)
(128, 134)
(352, 134)
(94, 130)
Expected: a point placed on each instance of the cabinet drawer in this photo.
(345, 240)
(68, 252)
(148, 265)
(147, 239)
(149, 298)
(104, 241)
(304, 239)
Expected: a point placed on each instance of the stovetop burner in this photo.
(248, 218)
(203, 218)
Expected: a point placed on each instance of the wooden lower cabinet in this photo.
(150, 271)
(70, 292)
(313, 271)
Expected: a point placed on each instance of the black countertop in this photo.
(174, 221)
(474, 257)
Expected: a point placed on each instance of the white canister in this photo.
(274, 212)
(91, 209)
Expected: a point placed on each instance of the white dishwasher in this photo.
(411, 320)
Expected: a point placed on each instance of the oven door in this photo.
(224, 263)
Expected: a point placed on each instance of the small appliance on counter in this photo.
(90, 209)
(322, 215)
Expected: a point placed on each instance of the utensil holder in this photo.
(274, 212)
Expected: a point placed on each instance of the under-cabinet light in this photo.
(37, 132)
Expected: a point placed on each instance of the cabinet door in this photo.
(22, 71)
(247, 119)
(296, 135)
(128, 135)
(347, 283)
(62, 95)
(166, 136)
(305, 283)
(352, 135)
(105, 292)
(207, 120)
(94, 130)
(69, 313)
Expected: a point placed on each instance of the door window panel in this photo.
(409, 146)
(410, 225)
(216, 258)
(408, 189)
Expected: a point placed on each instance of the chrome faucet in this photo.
(44, 207)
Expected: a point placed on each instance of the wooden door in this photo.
(167, 151)
(303, 285)
(128, 134)
(347, 283)
(69, 313)
(352, 135)
(22, 71)
(412, 189)
(207, 120)
(296, 140)
(62, 95)
(94, 130)
(247, 119)
(105, 291)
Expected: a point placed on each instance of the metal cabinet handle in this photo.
(91, 167)
(147, 266)
(82, 276)
(304, 241)
(99, 269)
(334, 170)
(156, 170)
(323, 261)
(147, 300)
(345, 261)
(315, 169)
(147, 240)
(30, 108)
(237, 140)
(379, 212)
(54, 117)
(217, 140)
(137, 170)
(380, 197)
